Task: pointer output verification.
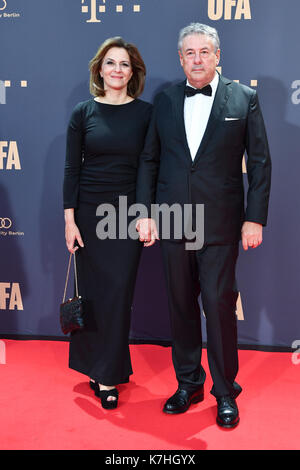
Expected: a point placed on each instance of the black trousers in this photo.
(211, 272)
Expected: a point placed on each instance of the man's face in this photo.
(199, 59)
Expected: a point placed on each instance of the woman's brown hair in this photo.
(135, 85)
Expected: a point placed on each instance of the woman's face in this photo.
(116, 69)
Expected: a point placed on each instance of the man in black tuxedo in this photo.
(193, 154)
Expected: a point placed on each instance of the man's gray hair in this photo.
(198, 28)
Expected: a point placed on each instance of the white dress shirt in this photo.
(197, 109)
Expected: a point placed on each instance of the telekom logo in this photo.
(95, 7)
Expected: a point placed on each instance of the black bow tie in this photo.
(189, 91)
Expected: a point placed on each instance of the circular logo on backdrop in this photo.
(7, 15)
(5, 222)
(5, 225)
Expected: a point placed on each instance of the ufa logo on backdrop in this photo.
(95, 8)
(10, 296)
(9, 156)
(229, 9)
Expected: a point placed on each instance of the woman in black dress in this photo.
(104, 140)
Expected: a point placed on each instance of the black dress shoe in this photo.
(182, 399)
(228, 413)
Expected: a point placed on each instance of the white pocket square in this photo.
(231, 119)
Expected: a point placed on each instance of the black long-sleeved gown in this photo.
(103, 147)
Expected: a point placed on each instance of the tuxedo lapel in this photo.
(178, 106)
(221, 97)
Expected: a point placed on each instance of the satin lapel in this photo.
(221, 97)
(178, 106)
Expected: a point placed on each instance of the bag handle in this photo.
(67, 278)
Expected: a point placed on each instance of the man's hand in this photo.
(251, 235)
(147, 231)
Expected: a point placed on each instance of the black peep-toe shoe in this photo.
(104, 394)
(109, 404)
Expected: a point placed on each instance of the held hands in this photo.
(251, 235)
(147, 231)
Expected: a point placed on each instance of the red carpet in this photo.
(45, 405)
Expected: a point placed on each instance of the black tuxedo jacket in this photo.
(167, 173)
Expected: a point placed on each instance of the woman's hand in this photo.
(72, 232)
(72, 235)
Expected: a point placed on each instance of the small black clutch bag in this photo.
(71, 312)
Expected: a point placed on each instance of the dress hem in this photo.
(109, 382)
